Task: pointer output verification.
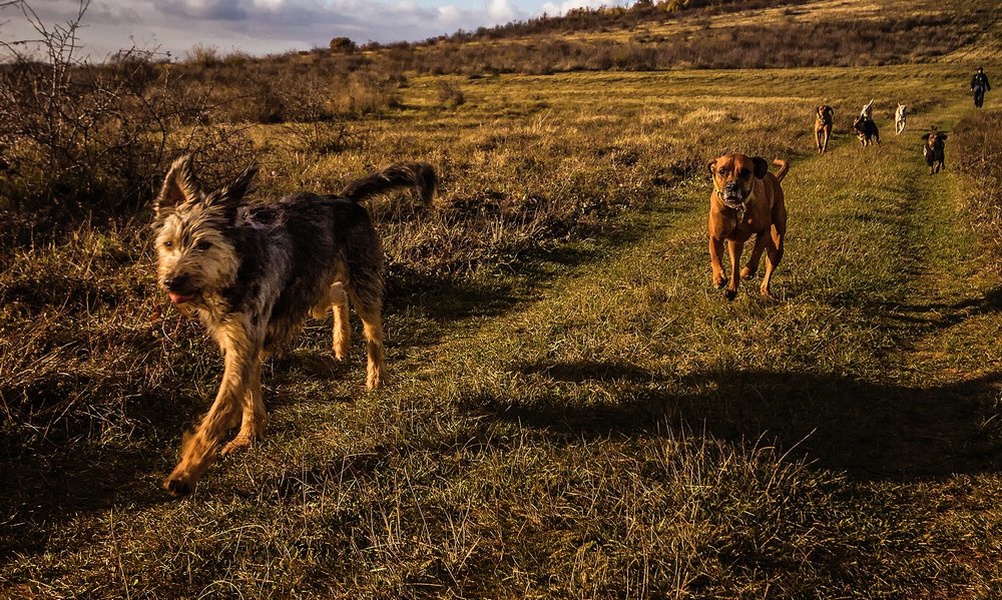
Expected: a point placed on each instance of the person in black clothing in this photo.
(980, 85)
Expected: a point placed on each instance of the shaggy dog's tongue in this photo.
(178, 298)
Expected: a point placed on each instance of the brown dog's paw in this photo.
(768, 295)
(178, 487)
(731, 294)
(747, 273)
(238, 444)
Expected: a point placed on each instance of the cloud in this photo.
(271, 26)
(449, 15)
(500, 11)
(223, 10)
(554, 9)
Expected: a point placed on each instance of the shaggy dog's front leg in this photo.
(242, 359)
(255, 417)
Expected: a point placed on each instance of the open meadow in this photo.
(572, 409)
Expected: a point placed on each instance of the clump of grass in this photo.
(450, 95)
(977, 145)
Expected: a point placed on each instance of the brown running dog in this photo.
(824, 117)
(746, 199)
(934, 150)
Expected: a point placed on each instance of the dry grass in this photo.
(574, 412)
(570, 416)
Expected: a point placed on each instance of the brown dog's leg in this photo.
(827, 134)
(817, 139)
(716, 251)
(255, 417)
(752, 267)
(775, 254)
(199, 449)
(734, 249)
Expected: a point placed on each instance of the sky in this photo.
(268, 26)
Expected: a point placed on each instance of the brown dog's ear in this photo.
(180, 186)
(710, 166)
(761, 167)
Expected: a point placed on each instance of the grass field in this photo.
(574, 411)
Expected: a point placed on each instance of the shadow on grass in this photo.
(74, 475)
(934, 315)
(870, 430)
(445, 299)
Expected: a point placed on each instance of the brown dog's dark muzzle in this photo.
(733, 195)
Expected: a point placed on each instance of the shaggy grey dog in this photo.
(253, 272)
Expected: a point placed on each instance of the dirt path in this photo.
(879, 280)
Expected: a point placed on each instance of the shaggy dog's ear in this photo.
(231, 196)
(761, 167)
(238, 188)
(180, 186)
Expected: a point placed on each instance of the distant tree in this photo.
(343, 45)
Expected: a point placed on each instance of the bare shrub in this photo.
(450, 95)
(204, 56)
(82, 137)
(318, 137)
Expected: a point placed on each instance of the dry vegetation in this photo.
(574, 413)
(978, 139)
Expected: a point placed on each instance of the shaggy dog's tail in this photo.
(420, 176)
(783, 168)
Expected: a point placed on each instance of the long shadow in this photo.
(870, 430)
(933, 315)
(69, 477)
(44, 489)
(446, 299)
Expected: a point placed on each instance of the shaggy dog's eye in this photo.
(203, 245)
(168, 244)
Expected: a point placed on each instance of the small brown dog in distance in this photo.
(824, 117)
(746, 200)
(866, 131)
(934, 150)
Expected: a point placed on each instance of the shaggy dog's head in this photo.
(196, 256)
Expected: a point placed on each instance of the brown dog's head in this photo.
(825, 114)
(734, 176)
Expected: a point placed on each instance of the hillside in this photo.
(573, 411)
(727, 35)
